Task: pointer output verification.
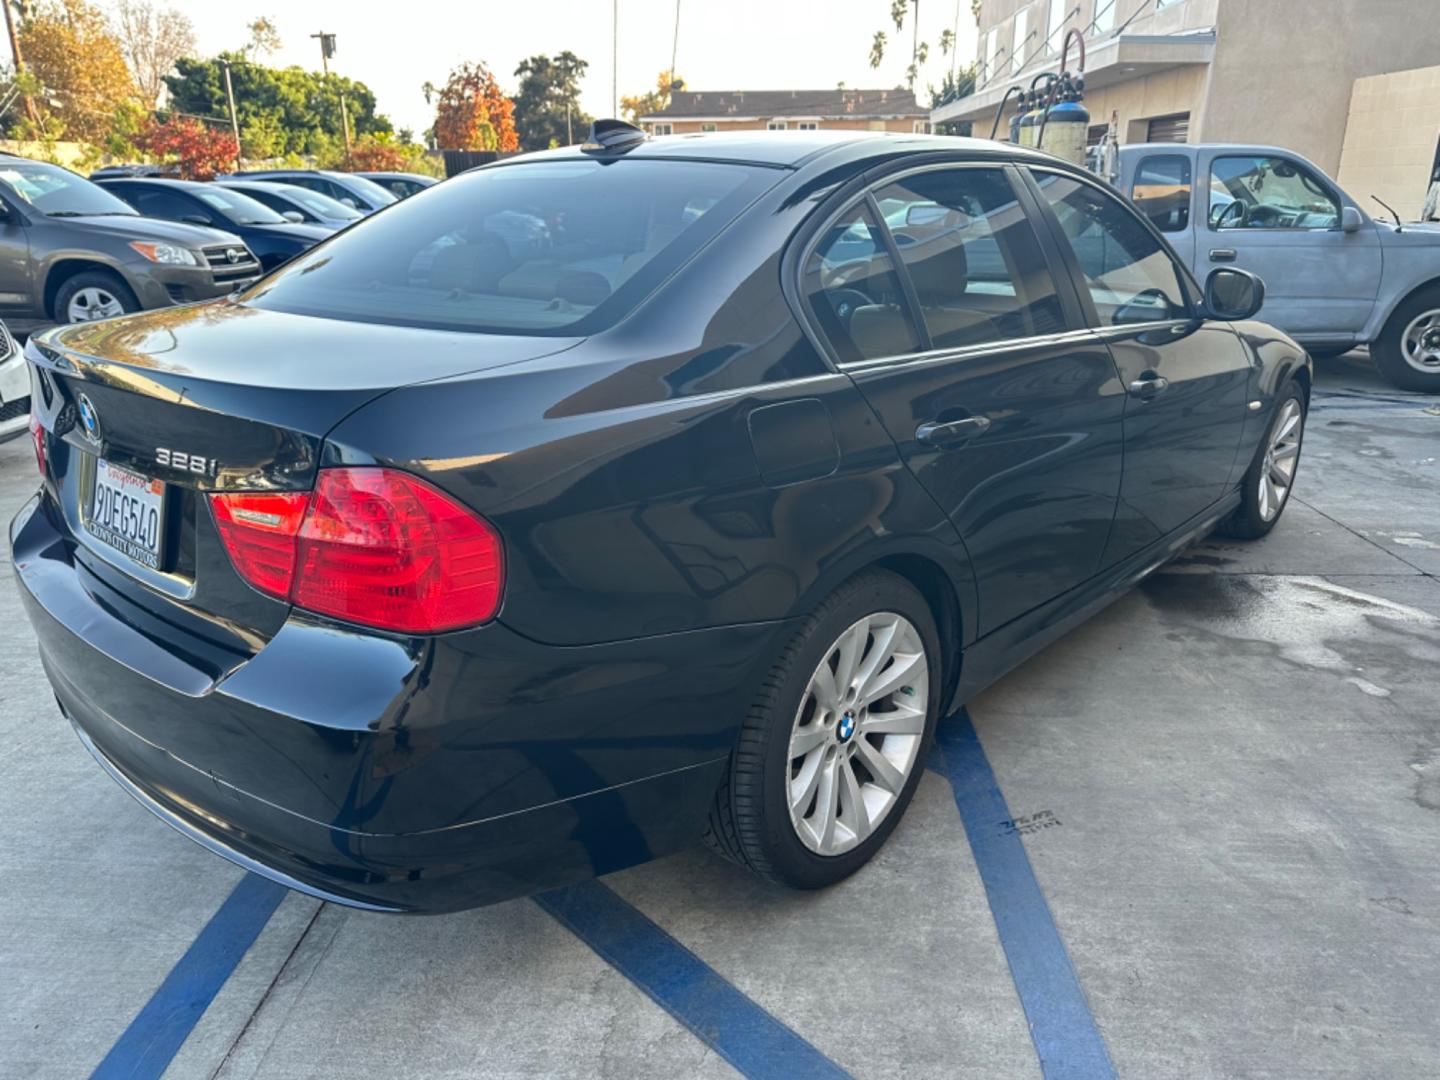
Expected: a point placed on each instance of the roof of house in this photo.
(763, 104)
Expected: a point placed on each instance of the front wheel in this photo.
(832, 749)
(1265, 491)
(94, 294)
(1408, 349)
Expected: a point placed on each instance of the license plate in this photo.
(127, 511)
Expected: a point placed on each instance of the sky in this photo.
(396, 46)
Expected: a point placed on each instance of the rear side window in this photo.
(852, 290)
(1162, 191)
(1130, 275)
(972, 257)
(545, 247)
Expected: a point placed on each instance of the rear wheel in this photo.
(833, 747)
(94, 294)
(1408, 349)
(1265, 491)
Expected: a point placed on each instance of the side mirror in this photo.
(1233, 294)
(350, 203)
(293, 216)
(1350, 219)
(197, 219)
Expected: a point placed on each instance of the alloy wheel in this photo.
(1277, 471)
(1420, 344)
(91, 303)
(857, 732)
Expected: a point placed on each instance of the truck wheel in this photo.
(1408, 349)
(94, 294)
(1268, 481)
(833, 747)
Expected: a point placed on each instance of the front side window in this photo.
(854, 294)
(543, 247)
(1130, 275)
(972, 257)
(239, 208)
(159, 203)
(1256, 191)
(1162, 191)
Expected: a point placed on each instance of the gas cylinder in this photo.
(1032, 110)
(1015, 120)
(1066, 126)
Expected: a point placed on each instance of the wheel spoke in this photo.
(901, 721)
(1272, 497)
(850, 648)
(822, 683)
(802, 788)
(857, 815)
(893, 677)
(886, 775)
(1289, 450)
(1278, 476)
(1287, 425)
(827, 805)
(806, 739)
(881, 650)
(1265, 497)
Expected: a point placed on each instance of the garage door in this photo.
(1174, 128)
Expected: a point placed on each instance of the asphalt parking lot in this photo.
(1196, 838)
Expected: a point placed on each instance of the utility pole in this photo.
(234, 120)
(327, 50)
(614, 59)
(30, 110)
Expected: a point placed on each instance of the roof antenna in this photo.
(612, 137)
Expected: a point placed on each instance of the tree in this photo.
(547, 105)
(264, 37)
(640, 105)
(69, 47)
(201, 152)
(288, 110)
(152, 40)
(919, 50)
(472, 113)
(956, 84)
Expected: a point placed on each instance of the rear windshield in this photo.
(534, 248)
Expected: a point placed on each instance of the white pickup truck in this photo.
(1334, 277)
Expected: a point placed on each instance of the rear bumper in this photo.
(398, 776)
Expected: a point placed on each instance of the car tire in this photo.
(1407, 352)
(100, 291)
(1262, 503)
(752, 821)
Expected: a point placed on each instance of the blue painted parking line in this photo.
(1061, 1024)
(677, 980)
(147, 1046)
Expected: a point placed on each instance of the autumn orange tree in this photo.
(201, 152)
(472, 113)
(69, 47)
(638, 105)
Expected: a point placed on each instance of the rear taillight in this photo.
(372, 546)
(37, 437)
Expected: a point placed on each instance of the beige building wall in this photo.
(1390, 139)
(1138, 101)
(1284, 69)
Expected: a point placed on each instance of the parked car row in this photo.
(132, 238)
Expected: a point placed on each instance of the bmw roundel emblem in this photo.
(89, 418)
(847, 726)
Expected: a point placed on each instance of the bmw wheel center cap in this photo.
(846, 727)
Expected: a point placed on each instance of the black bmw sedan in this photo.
(272, 237)
(613, 496)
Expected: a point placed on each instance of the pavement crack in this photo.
(1360, 535)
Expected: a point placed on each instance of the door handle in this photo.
(951, 432)
(1222, 254)
(1148, 387)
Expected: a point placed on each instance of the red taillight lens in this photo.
(371, 546)
(259, 530)
(37, 436)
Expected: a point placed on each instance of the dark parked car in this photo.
(271, 237)
(437, 569)
(72, 252)
(349, 188)
(295, 203)
(401, 184)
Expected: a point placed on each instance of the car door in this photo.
(1280, 219)
(16, 272)
(1007, 411)
(1187, 380)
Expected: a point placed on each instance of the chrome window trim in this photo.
(981, 349)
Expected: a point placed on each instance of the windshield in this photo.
(543, 247)
(58, 192)
(321, 205)
(241, 209)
